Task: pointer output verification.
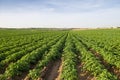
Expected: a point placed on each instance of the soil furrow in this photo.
(59, 71)
(51, 71)
(84, 75)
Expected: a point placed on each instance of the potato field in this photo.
(44, 54)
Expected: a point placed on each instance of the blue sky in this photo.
(59, 13)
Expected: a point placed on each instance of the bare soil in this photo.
(84, 75)
(59, 71)
(51, 71)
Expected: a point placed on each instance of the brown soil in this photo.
(84, 75)
(116, 71)
(51, 71)
(108, 66)
(59, 71)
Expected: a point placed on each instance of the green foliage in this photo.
(19, 49)
(69, 70)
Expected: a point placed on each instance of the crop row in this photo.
(92, 64)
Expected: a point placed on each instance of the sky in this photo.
(59, 13)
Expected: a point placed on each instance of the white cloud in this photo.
(54, 13)
(103, 18)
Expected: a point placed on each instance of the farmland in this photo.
(38, 54)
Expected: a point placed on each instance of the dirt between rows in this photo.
(84, 75)
(52, 71)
